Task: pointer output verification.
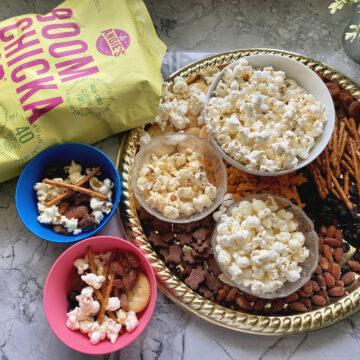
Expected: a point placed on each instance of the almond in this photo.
(292, 297)
(327, 252)
(231, 294)
(336, 291)
(322, 231)
(335, 271)
(315, 285)
(329, 279)
(250, 297)
(308, 287)
(259, 304)
(322, 293)
(303, 293)
(243, 303)
(297, 306)
(324, 263)
(331, 230)
(338, 254)
(318, 300)
(222, 293)
(333, 242)
(76, 212)
(321, 244)
(348, 278)
(338, 235)
(321, 281)
(277, 305)
(340, 284)
(306, 302)
(63, 206)
(318, 269)
(355, 265)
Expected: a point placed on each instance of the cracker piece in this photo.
(139, 296)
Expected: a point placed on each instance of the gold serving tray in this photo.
(241, 321)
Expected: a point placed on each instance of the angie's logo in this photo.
(113, 42)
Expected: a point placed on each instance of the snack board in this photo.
(295, 320)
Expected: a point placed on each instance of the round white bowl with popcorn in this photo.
(266, 246)
(179, 177)
(269, 114)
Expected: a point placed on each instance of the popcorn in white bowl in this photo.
(177, 184)
(262, 120)
(265, 246)
(179, 177)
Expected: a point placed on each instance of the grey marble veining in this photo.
(191, 29)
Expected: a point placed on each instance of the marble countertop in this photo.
(191, 30)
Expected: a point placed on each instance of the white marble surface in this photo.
(191, 29)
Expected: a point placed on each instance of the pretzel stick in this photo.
(348, 159)
(323, 162)
(341, 153)
(341, 192)
(97, 291)
(91, 260)
(352, 129)
(334, 147)
(335, 193)
(355, 164)
(355, 133)
(346, 183)
(318, 162)
(348, 168)
(76, 188)
(94, 271)
(346, 121)
(343, 144)
(106, 272)
(348, 164)
(357, 152)
(328, 170)
(341, 135)
(322, 180)
(317, 181)
(68, 193)
(101, 313)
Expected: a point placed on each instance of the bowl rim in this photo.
(196, 216)
(312, 156)
(64, 239)
(153, 290)
(303, 281)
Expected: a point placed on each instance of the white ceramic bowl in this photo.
(178, 142)
(306, 226)
(307, 79)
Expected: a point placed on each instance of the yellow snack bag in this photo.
(85, 71)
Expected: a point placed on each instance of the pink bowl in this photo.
(58, 284)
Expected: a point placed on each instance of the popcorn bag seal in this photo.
(82, 72)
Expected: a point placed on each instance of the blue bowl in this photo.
(25, 197)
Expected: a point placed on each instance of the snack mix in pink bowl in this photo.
(100, 295)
